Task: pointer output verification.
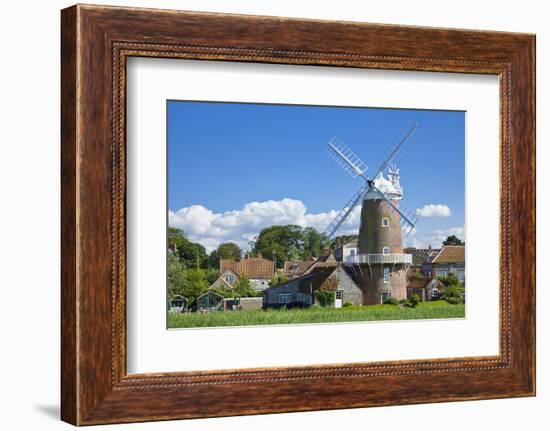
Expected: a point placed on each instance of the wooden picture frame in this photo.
(95, 43)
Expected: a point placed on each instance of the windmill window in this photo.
(385, 222)
(386, 275)
(386, 250)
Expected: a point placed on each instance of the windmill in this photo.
(380, 243)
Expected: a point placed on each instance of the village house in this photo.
(257, 269)
(210, 301)
(449, 260)
(297, 268)
(226, 280)
(177, 304)
(347, 249)
(300, 292)
(421, 255)
(426, 288)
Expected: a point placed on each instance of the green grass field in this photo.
(425, 310)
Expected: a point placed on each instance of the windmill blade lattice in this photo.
(395, 150)
(346, 158)
(345, 212)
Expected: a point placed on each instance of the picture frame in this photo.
(96, 42)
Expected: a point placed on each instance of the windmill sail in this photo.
(345, 212)
(395, 150)
(346, 158)
(354, 166)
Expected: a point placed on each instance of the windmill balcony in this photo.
(373, 258)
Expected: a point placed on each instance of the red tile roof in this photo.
(451, 254)
(254, 267)
(294, 268)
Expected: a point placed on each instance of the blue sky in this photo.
(233, 167)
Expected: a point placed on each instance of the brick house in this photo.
(426, 288)
(450, 260)
(257, 269)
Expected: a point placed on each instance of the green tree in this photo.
(454, 291)
(196, 284)
(177, 280)
(314, 243)
(227, 250)
(211, 275)
(280, 242)
(191, 254)
(454, 294)
(325, 297)
(278, 278)
(453, 240)
(450, 280)
(244, 289)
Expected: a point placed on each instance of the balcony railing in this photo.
(380, 258)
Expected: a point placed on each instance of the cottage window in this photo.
(384, 296)
(386, 250)
(386, 275)
(284, 298)
(339, 294)
(385, 222)
(229, 279)
(441, 273)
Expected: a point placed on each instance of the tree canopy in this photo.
(289, 242)
(453, 240)
(191, 254)
(227, 250)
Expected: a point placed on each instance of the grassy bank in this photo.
(426, 310)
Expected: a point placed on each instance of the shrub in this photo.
(404, 301)
(325, 297)
(454, 294)
(414, 300)
(391, 301)
(348, 304)
(453, 300)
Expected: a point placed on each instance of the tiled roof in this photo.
(421, 255)
(417, 283)
(451, 254)
(253, 267)
(297, 267)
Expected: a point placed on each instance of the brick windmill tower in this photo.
(380, 263)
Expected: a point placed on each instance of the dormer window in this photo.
(385, 222)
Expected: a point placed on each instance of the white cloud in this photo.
(434, 238)
(241, 226)
(434, 210)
